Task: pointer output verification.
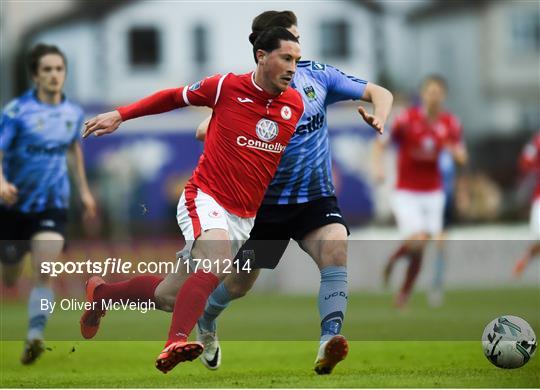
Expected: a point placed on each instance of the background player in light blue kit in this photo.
(300, 203)
(39, 138)
(448, 175)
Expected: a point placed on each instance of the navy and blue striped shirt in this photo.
(34, 138)
(305, 173)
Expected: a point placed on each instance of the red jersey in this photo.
(530, 161)
(245, 140)
(420, 143)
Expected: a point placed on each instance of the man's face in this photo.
(279, 66)
(433, 94)
(51, 74)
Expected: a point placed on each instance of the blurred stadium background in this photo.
(119, 51)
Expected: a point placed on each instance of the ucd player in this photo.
(300, 203)
(39, 138)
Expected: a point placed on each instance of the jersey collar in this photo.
(267, 95)
(34, 94)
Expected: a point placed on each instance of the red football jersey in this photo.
(420, 143)
(245, 140)
(530, 161)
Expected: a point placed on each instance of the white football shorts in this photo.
(198, 212)
(418, 212)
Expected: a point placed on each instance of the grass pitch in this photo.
(270, 341)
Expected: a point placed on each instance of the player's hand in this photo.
(8, 193)
(89, 205)
(102, 124)
(371, 120)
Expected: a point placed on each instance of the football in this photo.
(509, 342)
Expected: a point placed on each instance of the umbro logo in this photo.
(47, 223)
(245, 100)
(333, 215)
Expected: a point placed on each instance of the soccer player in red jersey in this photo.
(254, 116)
(421, 133)
(530, 163)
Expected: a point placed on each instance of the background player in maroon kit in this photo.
(254, 116)
(530, 163)
(420, 134)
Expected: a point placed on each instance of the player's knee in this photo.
(164, 300)
(336, 255)
(11, 273)
(418, 241)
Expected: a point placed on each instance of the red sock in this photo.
(138, 288)
(413, 270)
(190, 303)
(401, 251)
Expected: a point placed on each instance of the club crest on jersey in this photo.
(195, 86)
(428, 144)
(69, 125)
(317, 66)
(286, 112)
(267, 130)
(310, 92)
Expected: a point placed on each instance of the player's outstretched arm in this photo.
(382, 100)
(159, 102)
(200, 133)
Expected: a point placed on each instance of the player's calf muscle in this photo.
(239, 284)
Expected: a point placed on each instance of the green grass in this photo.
(265, 364)
(270, 341)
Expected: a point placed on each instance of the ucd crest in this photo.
(267, 130)
(310, 92)
(317, 66)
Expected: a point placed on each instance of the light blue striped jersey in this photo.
(34, 138)
(305, 173)
(448, 172)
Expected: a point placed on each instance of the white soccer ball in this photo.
(509, 342)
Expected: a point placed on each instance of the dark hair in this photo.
(270, 40)
(39, 51)
(269, 19)
(435, 78)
